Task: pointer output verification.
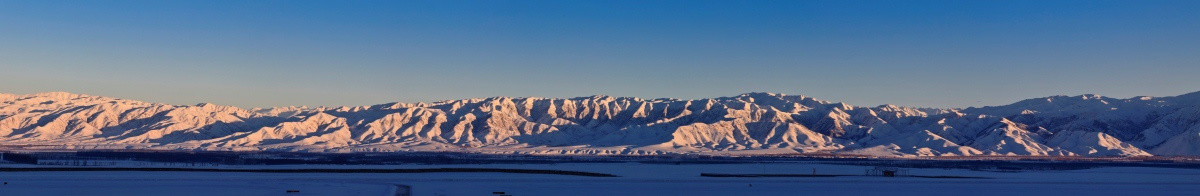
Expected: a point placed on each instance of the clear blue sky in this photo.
(914, 53)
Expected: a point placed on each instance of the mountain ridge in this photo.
(746, 124)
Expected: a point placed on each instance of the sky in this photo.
(330, 53)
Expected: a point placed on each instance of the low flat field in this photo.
(632, 179)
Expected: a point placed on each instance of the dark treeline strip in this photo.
(767, 175)
(820, 175)
(421, 170)
(989, 163)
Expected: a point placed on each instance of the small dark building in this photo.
(887, 172)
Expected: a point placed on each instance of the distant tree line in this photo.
(20, 158)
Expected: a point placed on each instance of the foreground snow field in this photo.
(636, 179)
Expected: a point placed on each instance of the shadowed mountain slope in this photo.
(752, 123)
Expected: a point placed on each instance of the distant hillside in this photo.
(747, 124)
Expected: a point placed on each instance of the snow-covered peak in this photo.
(1087, 125)
(1090, 96)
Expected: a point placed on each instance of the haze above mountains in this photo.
(747, 124)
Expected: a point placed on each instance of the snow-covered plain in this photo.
(636, 179)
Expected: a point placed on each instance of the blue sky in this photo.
(913, 53)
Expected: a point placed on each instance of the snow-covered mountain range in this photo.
(753, 123)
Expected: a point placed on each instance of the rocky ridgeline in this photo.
(753, 123)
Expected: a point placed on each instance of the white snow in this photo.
(636, 179)
(1086, 125)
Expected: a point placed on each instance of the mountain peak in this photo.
(57, 95)
(593, 97)
(1190, 98)
(601, 124)
(761, 94)
(1090, 96)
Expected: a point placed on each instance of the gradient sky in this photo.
(913, 53)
